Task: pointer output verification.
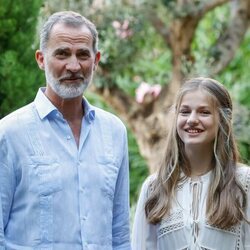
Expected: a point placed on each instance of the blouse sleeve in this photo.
(246, 226)
(144, 235)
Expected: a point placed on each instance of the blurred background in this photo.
(148, 48)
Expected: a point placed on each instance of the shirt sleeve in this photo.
(7, 181)
(144, 236)
(1, 225)
(120, 226)
(7, 185)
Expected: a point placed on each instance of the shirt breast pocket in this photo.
(110, 172)
(44, 176)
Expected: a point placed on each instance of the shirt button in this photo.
(68, 137)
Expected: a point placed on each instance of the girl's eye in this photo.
(184, 111)
(205, 112)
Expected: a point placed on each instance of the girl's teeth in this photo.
(193, 131)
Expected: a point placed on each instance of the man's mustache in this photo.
(72, 77)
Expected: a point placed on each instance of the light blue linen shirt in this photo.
(55, 195)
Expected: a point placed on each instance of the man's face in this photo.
(69, 60)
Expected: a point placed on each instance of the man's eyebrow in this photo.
(83, 50)
(60, 50)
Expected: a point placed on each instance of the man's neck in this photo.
(71, 109)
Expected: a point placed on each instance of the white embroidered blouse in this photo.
(186, 228)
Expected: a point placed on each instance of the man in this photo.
(63, 162)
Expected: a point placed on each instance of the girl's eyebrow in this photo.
(200, 107)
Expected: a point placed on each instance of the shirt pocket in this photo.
(110, 173)
(44, 176)
(171, 233)
(218, 239)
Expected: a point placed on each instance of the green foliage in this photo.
(130, 54)
(236, 75)
(207, 33)
(236, 78)
(19, 76)
(138, 168)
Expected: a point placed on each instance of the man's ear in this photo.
(40, 59)
(97, 59)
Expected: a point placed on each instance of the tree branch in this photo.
(124, 104)
(160, 26)
(231, 38)
(212, 4)
(189, 8)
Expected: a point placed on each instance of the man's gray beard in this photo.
(67, 91)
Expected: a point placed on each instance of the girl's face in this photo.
(197, 120)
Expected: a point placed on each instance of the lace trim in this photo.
(233, 229)
(174, 217)
(171, 223)
(166, 229)
(244, 179)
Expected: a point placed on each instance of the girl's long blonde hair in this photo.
(226, 199)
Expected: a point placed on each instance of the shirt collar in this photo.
(45, 107)
(43, 104)
(89, 110)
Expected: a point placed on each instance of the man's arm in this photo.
(7, 182)
(120, 227)
(1, 225)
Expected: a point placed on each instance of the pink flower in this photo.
(144, 89)
(122, 29)
(116, 24)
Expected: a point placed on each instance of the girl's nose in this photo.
(193, 119)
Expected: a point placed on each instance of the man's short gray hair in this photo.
(68, 18)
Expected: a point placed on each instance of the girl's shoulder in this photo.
(243, 175)
(147, 184)
(149, 180)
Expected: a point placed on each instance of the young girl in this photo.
(200, 196)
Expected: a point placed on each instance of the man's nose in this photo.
(73, 64)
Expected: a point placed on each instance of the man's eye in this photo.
(61, 54)
(83, 56)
